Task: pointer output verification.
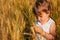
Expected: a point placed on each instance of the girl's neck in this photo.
(44, 21)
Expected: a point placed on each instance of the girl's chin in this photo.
(42, 18)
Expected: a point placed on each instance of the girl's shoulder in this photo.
(51, 20)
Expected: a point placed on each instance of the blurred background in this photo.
(16, 17)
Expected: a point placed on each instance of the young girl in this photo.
(45, 27)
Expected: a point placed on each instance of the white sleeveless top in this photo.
(45, 28)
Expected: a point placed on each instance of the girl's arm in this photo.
(49, 36)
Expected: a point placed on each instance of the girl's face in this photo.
(42, 14)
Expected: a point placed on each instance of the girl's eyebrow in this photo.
(39, 12)
(42, 10)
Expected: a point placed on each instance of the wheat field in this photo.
(16, 15)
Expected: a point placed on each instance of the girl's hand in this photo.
(33, 36)
(33, 32)
(38, 29)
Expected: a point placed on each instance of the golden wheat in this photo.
(14, 15)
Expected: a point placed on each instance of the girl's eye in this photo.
(39, 13)
(44, 10)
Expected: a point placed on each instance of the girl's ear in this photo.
(48, 12)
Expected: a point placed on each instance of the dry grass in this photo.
(11, 21)
(15, 15)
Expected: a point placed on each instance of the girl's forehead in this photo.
(41, 8)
